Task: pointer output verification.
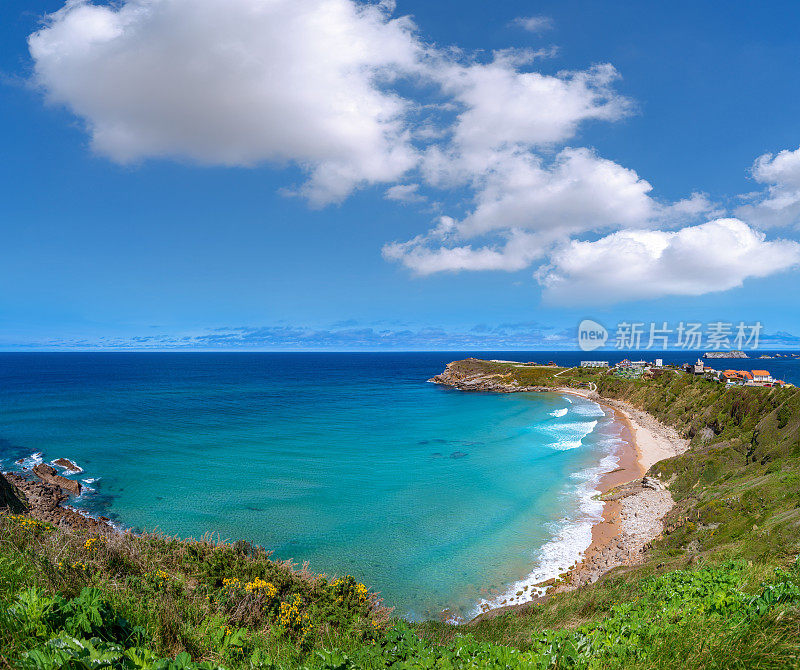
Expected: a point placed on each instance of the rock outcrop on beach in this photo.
(49, 475)
(640, 508)
(637, 516)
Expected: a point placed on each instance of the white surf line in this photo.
(570, 536)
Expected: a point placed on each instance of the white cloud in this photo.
(534, 24)
(577, 192)
(406, 193)
(517, 252)
(637, 264)
(688, 209)
(328, 86)
(242, 82)
(502, 106)
(779, 204)
(505, 117)
(237, 83)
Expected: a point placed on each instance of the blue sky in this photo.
(463, 177)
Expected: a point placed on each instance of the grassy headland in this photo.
(720, 588)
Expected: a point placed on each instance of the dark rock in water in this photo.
(67, 465)
(458, 454)
(423, 442)
(48, 475)
(10, 499)
(436, 455)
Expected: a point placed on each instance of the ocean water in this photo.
(438, 499)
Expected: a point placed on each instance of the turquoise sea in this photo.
(353, 462)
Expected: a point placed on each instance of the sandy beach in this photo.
(652, 440)
(634, 504)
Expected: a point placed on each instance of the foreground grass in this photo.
(74, 602)
(721, 589)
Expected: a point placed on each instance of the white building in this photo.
(594, 364)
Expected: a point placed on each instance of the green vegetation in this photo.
(720, 589)
(737, 488)
(128, 601)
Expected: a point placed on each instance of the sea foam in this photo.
(568, 435)
(30, 461)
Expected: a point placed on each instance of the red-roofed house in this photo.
(736, 377)
(762, 377)
(731, 377)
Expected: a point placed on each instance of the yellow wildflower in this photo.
(258, 585)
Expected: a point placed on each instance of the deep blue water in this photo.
(437, 499)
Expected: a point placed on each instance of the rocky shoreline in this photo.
(44, 499)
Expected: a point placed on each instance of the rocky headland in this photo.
(472, 374)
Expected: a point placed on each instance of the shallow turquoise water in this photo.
(354, 463)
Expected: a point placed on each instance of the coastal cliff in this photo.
(10, 498)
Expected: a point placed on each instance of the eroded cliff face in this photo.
(10, 499)
(474, 374)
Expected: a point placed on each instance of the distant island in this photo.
(725, 354)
